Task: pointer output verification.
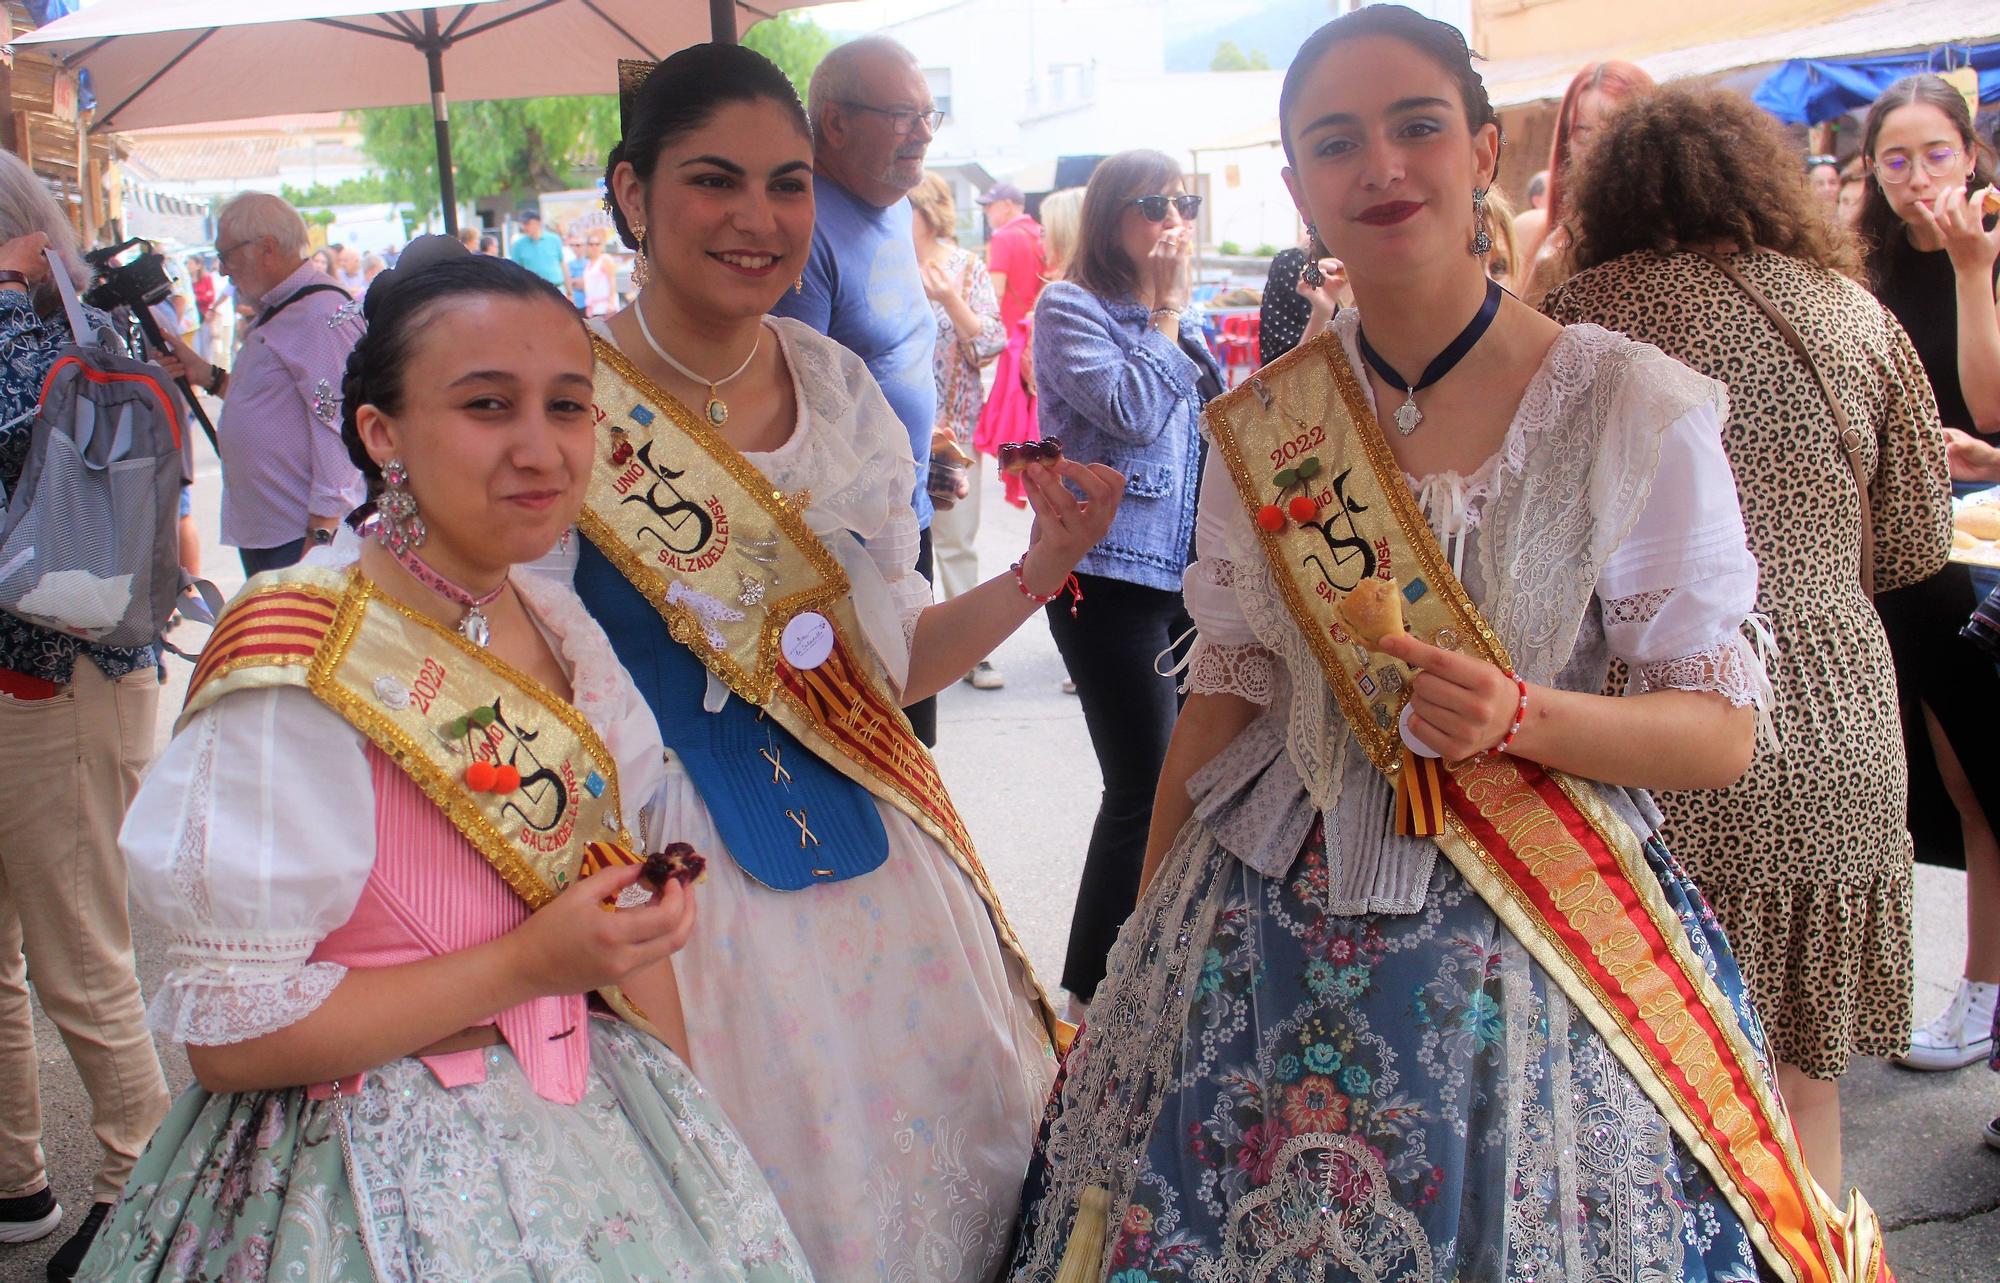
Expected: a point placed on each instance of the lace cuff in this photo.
(209, 1008)
(1731, 668)
(1244, 671)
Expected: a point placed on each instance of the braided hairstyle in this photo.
(400, 302)
(679, 96)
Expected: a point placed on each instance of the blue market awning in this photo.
(1806, 91)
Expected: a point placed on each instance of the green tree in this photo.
(510, 147)
(368, 190)
(1229, 58)
(795, 43)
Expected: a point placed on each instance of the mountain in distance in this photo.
(1274, 28)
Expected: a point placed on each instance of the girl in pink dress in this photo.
(403, 1071)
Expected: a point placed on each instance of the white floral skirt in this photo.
(875, 1047)
(641, 1179)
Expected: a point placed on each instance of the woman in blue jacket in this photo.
(1122, 374)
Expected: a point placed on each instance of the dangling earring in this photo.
(641, 271)
(397, 525)
(1314, 253)
(799, 286)
(1482, 243)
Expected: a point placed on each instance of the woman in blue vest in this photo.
(853, 995)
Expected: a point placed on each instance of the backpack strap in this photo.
(79, 323)
(317, 287)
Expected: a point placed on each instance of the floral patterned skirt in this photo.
(1272, 1092)
(641, 1179)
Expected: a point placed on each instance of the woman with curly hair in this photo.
(1690, 202)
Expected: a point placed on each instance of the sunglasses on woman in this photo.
(1155, 207)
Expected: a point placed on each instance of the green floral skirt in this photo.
(406, 1180)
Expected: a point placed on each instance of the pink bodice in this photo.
(431, 893)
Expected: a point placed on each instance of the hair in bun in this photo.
(680, 95)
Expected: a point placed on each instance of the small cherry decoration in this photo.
(480, 777)
(506, 779)
(1300, 507)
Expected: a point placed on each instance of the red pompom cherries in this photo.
(1300, 507)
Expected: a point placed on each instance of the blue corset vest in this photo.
(789, 819)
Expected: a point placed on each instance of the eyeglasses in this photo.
(1155, 207)
(902, 119)
(1898, 169)
(222, 255)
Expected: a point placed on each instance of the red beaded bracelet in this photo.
(1070, 586)
(1520, 715)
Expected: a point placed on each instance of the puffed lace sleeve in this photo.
(853, 453)
(1680, 592)
(251, 839)
(1227, 658)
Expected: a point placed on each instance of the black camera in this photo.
(134, 275)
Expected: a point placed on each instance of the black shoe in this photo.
(29, 1217)
(69, 1257)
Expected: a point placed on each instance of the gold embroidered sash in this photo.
(741, 580)
(1561, 869)
(437, 705)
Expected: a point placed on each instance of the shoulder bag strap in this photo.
(1850, 437)
(318, 287)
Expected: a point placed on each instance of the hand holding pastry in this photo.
(1460, 706)
(1066, 527)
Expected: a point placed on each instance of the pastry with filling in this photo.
(1374, 610)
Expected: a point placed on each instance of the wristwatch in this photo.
(218, 378)
(15, 278)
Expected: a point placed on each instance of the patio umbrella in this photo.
(174, 62)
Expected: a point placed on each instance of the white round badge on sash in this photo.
(1410, 739)
(807, 640)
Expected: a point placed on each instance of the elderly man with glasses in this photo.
(286, 478)
(873, 120)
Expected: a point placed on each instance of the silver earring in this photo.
(1482, 242)
(1311, 275)
(397, 525)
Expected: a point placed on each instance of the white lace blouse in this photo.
(1671, 597)
(851, 453)
(254, 832)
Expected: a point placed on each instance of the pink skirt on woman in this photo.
(1010, 408)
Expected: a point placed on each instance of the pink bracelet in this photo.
(1520, 715)
(1070, 586)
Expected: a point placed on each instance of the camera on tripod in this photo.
(134, 275)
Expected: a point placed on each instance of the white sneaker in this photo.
(985, 677)
(1961, 1035)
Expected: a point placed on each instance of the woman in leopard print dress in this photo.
(1807, 858)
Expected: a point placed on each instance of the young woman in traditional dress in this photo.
(390, 756)
(858, 1002)
(1322, 1051)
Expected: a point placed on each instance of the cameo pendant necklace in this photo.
(1408, 416)
(717, 410)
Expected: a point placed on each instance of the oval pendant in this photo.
(718, 413)
(474, 627)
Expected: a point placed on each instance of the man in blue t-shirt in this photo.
(873, 119)
(539, 252)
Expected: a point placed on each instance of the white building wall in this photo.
(1031, 80)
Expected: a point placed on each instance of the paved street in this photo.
(1021, 769)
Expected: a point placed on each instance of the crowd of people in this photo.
(1514, 703)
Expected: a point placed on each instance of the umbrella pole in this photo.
(722, 21)
(433, 48)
